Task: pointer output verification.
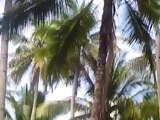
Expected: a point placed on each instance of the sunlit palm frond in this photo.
(90, 47)
(50, 110)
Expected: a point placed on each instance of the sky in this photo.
(62, 91)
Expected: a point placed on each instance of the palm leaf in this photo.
(137, 30)
(152, 13)
(89, 59)
(51, 110)
(18, 111)
(27, 12)
(20, 62)
(65, 39)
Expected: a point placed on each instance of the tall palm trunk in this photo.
(74, 91)
(106, 32)
(35, 79)
(158, 64)
(108, 79)
(3, 62)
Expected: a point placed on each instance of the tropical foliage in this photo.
(65, 47)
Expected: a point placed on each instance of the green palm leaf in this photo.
(35, 11)
(62, 43)
(137, 29)
(51, 110)
(20, 63)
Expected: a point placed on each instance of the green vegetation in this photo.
(65, 47)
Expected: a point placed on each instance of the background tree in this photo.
(4, 60)
(21, 11)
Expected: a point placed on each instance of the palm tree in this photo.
(70, 46)
(24, 58)
(121, 97)
(138, 26)
(102, 50)
(4, 60)
(26, 12)
(45, 33)
(103, 79)
(22, 11)
(146, 19)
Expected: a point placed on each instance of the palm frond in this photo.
(89, 59)
(137, 29)
(51, 110)
(143, 92)
(67, 38)
(28, 12)
(151, 13)
(118, 73)
(93, 49)
(20, 62)
(18, 111)
(137, 64)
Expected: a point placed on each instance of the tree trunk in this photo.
(106, 36)
(158, 65)
(3, 62)
(35, 80)
(74, 91)
(108, 80)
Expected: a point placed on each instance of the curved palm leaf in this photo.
(32, 11)
(137, 28)
(62, 43)
(51, 110)
(21, 61)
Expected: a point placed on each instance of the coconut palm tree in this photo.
(105, 23)
(3, 60)
(121, 97)
(24, 12)
(21, 62)
(146, 20)
(137, 27)
(103, 79)
(46, 33)
(71, 44)
(23, 59)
